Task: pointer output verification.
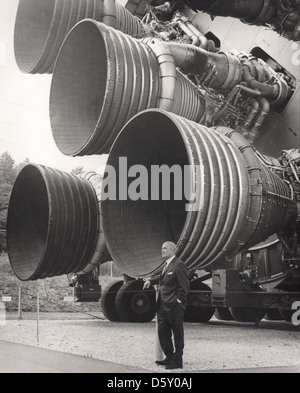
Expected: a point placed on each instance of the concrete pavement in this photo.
(19, 358)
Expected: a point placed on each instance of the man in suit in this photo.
(171, 302)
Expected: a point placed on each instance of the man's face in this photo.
(167, 251)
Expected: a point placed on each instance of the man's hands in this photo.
(147, 284)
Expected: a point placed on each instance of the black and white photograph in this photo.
(150, 189)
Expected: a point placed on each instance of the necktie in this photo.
(164, 269)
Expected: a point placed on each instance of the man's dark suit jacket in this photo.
(173, 284)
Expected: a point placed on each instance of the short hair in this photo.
(173, 246)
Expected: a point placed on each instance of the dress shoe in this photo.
(173, 366)
(164, 362)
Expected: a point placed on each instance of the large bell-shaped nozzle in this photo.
(103, 78)
(203, 188)
(53, 224)
(41, 27)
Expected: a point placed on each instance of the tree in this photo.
(7, 169)
(5, 191)
(20, 166)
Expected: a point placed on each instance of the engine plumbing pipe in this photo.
(240, 201)
(269, 91)
(230, 70)
(253, 112)
(264, 110)
(41, 27)
(54, 224)
(190, 30)
(101, 253)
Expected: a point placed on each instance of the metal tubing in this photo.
(253, 112)
(269, 91)
(190, 30)
(110, 13)
(52, 224)
(103, 77)
(101, 253)
(241, 202)
(203, 41)
(167, 75)
(264, 110)
(196, 61)
(189, 58)
(41, 27)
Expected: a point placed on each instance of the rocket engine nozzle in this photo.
(232, 202)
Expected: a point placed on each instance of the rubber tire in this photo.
(286, 314)
(242, 314)
(196, 313)
(273, 314)
(108, 301)
(223, 314)
(133, 304)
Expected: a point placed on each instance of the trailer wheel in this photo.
(193, 312)
(273, 314)
(241, 314)
(223, 314)
(286, 314)
(108, 300)
(133, 304)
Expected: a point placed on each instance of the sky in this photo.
(25, 130)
